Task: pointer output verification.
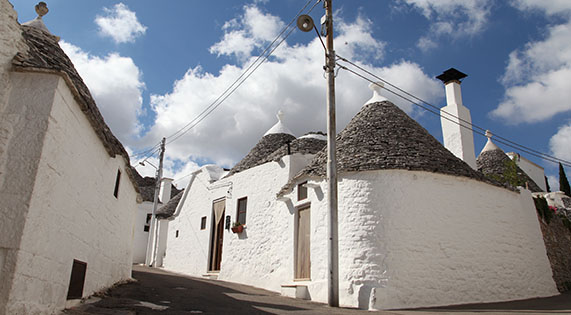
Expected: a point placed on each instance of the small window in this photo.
(176, 234)
(77, 280)
(148, 222)
(117, 181)
(301, 191)
(203, 223)
(241, 213)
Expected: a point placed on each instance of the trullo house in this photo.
(418, 226)
(68, 198)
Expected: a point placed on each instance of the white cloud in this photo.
(550, 7)
(560, 143)
(452, 18)
(292, 81)
(115, 84)
(254, 29)
(537, 79)
(120, 23)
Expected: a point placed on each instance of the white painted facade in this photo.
(406, 239)
(57, 184)
(71, 213)
(140, 236)
(532, 170)
(259, 256)
(457, 139)
(429, 240)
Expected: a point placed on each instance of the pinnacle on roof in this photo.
(490, 146)
(382, 136)
(279, 127)
(493, 162)
(272, 140)
(376, 87)
(41, 9)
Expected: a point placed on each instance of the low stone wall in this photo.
(557, 239)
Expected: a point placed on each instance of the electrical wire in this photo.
(243, 76)
(513, 144)
(467, 125)
(153, 148)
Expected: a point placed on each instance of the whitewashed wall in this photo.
(187, 253)
(11, 42)
(13, 211)
(140, 237)
(72, 211)
(423, 239)
(534, 171)
(262, 254)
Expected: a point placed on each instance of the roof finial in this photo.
(490, 146)
(280, 115)
(376, 87)
(41, 9)
(489, 134)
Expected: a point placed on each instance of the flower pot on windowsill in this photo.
(238, 228)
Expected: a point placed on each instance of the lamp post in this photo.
(305, 23)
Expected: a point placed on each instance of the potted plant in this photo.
(237, 227)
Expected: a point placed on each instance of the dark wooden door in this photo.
(218, 208)
(302, 257)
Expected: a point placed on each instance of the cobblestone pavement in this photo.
(155, 291)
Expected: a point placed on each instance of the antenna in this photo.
(305, 23)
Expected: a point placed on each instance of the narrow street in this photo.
(159, 292)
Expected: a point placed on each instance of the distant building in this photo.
(143, 219)
(68, 195)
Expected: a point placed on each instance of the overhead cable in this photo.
(466, 124)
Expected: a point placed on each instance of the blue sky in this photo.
(152, 66)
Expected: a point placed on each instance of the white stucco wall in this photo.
(406, 239)
(72, 211)
(534, 171)
(429, 239)
(140, 237)
(11, 42)
(260, 256)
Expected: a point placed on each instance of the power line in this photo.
(243, 76)
(512, 144)
(467, 125)
(153, 148)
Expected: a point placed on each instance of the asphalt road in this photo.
(159, 292)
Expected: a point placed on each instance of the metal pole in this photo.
(158, 178)
(333, 280)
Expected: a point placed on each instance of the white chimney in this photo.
(165, 190)
(457, 139)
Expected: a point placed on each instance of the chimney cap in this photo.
(451, 75)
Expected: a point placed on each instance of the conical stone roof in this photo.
(259, 153)
(493, 162)
(168, 210)
(382, 136)
(303, 145)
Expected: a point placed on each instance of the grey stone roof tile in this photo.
(492, 163)
(169, 209)
(260, 152)
(382, 136)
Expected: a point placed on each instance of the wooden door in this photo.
(218, 210)
(302, 241)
